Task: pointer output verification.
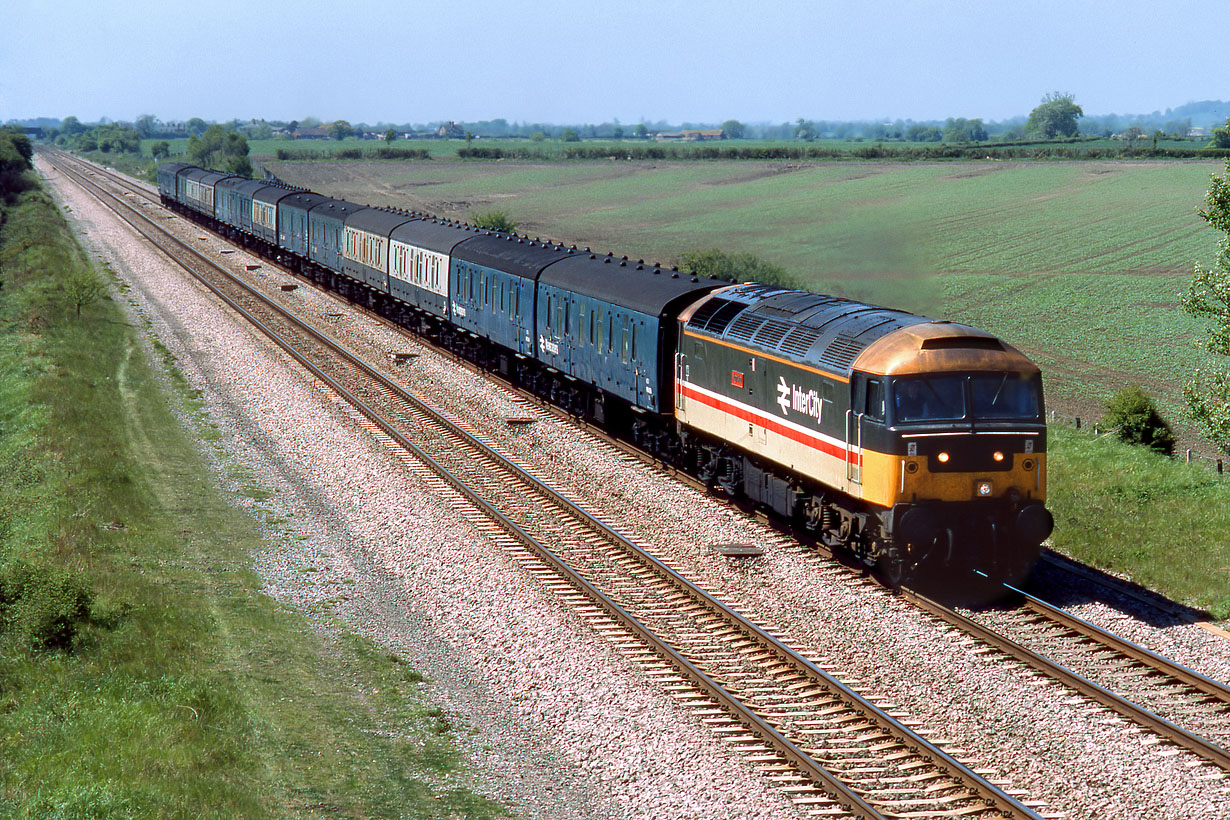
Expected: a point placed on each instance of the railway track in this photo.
(1183, 707)
(833, 751)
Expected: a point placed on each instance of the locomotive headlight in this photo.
(943, 458)
(998, 456)
(984, 489)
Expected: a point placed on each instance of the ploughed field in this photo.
(1080, 264)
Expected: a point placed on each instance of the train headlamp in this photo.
(983, 489)
(998, 456)
(943, 458)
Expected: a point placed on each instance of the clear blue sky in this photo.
(573, 61)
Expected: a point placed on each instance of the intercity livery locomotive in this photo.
(918, 446)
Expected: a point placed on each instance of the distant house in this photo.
(1197, 132)
(450, 131)
(312, 134)
(690, 135)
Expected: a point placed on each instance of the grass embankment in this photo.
(142, 672)
(1128, 509)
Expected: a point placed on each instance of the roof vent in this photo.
(592, 256)
(674, 275)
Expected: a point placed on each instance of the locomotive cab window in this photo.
(875, 400)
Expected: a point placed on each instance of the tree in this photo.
(923, 133)
(146, 125)
(390, 135)
(339, 130)
(196, 126)
(83, 288)
(570, 135)
(71, 126)
(1055, 117)
(1208, 393)
(1221, 137)
(963, 130)
(221, 150)
(641, 131)
(734, 129)
(15, 155)
(160, 149)
(804, 130)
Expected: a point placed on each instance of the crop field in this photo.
(1080, 264)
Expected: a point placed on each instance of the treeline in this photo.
(109, 138)
(1030, 150)
(383, 152)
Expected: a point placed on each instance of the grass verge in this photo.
(1128, 509)
(142, 672)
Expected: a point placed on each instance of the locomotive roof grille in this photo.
(842, 352)
(745, 326)
(770, 333)
(800, 340)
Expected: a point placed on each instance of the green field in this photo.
(1078, 263)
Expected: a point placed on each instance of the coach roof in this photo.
(433, 234)
(511, 254)
(376, 221)
(645, 288)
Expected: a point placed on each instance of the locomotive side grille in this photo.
(842, 352)
(799, 341)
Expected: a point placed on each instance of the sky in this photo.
(574, 61)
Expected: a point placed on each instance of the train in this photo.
(916, 446)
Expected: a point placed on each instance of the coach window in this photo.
(549, 313)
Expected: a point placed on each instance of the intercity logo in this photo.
(792, 397)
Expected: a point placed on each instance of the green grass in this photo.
(1127, 509)
(181, 690)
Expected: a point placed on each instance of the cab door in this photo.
(854, 430)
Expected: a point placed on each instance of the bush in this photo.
(743, 267)
(43, 605)
(495, 221)
(1135, 420)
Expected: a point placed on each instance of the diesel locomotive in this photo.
(916, 445)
